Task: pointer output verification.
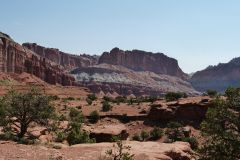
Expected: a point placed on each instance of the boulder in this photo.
(105, 133)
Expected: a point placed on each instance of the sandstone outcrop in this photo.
(143, 61)
(218, 77)
(15, 58)
(105, 133)
(68, 61)
(141, 150)
(193, 108)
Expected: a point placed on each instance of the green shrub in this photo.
(144, 135)
(106, 98)
(94, 117)
(192, 141)
(212, 93)
(76, 115)
(156, 133)
(174, 131)
(60, 136)
(136, 137)
(77, 136)
(106, 106)
(54, 97)
(173, 96)
(92, 97)
(89, 101)
(70, 98)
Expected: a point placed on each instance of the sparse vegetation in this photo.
(174, 131)
(94, 117)
(156, 133)
(192, 141)
(144, 135)
(89, 101)
(92, 97)
(119, 152)
(106, 106)
(136, 137)
(173, 96)
(212, 93)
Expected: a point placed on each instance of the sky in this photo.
(197, 33)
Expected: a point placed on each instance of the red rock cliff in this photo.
(143, 61)
(17, 59)
(68, 61)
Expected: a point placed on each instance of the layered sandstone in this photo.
(15, 58)
(138, 60)
(192, 108)
(218, 77)
(96, 151)
(118, 79)
(68, 61)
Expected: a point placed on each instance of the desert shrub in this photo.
(77, 136)
(62, 117)
(120, 99)
(212, 93)
(136, 137)
(54, 97)
(89, 101)
(173, 96)
(76, 116)
(92, 97)
(144, 135)
(192, 141)
(120, 152)
(156, 133)
(94, 117)
(106, 106)
(106, 98)
(23, 109)
(174, 131)
(60, 136)
(70, 98)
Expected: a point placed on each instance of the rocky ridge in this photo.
(218, 77)
(138, 60)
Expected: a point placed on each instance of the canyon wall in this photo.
(15, 58)
(143, 61)
(68, 61)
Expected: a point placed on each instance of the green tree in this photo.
(20, 110)
(222, 128)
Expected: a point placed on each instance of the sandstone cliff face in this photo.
(143, 61)
(218, 77)
(68, 61)
(15, 58)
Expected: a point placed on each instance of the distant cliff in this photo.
(15, 58)
(143, 61)
(218, 77)
(68, 61)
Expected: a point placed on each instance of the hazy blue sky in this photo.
(195, 32)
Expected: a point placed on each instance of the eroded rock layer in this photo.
(68, 61)
(143, 61)
(15, 58)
